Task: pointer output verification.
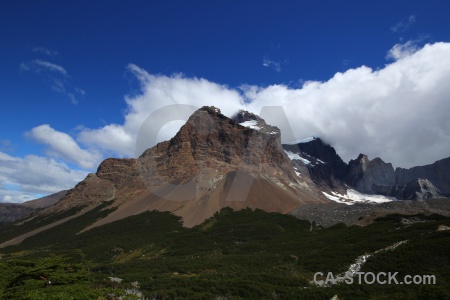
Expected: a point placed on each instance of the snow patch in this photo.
(334, 198)
(251, 124)
(295, 156)
(351, 197)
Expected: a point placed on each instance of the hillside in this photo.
(233, 255)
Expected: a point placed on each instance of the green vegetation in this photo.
(233, 255)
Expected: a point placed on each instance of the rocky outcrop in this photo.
(209, 146)
(437, 173)
(327, 170)
(370, 176)
(418, 183)
(416, 189)
(250, 120)
(324, 165)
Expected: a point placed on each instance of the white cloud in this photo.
(23, 179)
(276, 66)
(54, 75)
(399, 113)
(157, 92)
(80, 91)
(39, 66)
(45, 51)
(64, 146)
(404, 24)
(119, 139)
(402, 50)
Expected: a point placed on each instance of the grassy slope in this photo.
(236, 255)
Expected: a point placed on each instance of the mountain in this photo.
(46, 201)
(10, 212)
(325, 167)
(369, 177)
(377, 177)
(438, 174)
(215, 162)
(211, 163)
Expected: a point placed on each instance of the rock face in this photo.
(325, 167)
(250, 120)
(418, 183)
(370, 176)
(319, 163)
(437, 173)
(209, 146)
(416, 189)
(211, 163)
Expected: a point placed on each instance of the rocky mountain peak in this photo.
(213, 143)
(317, 148)
(417, 189)
(437, 173)
(324, 165)
(370, 176)
(250, 120)
(362, 159)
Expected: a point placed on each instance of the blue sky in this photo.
(74, 73)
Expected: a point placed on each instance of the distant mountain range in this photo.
(366, 176)
(10, 212)
(215, 162)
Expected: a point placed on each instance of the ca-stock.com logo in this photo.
(328, 278)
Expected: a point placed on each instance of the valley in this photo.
(244, 254)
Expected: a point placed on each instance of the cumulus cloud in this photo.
(63, 146)
(55, 75)
(27, 178)
(157, 92)
(404, 24)
(398, 113)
